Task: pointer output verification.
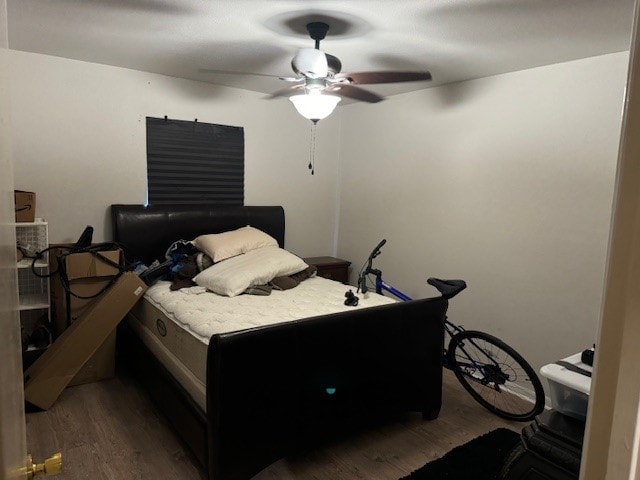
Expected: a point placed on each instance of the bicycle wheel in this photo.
(496, 375)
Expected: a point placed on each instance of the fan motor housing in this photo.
(310, 62)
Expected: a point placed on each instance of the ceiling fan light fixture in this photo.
(314, 105)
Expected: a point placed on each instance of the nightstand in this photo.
(330, 267)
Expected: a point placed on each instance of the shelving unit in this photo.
(33, 291)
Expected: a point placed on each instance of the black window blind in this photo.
(194, 163)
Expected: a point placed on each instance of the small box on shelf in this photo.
(25, 206)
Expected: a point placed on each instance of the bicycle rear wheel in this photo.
(496, 375)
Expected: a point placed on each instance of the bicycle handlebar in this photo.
(362, 280)
(376, 251)
(447, 288)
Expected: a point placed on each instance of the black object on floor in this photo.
(480, 459)
(550, 447)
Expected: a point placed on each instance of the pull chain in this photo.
(312, 149)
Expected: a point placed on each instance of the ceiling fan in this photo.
(319, 70)
(319, 83)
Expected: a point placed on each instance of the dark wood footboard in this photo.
(275, 389)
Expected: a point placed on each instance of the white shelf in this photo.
(39, 222)
(33, 302)
(32, 347)
(33, 287)
(35, 306)
(26, 263)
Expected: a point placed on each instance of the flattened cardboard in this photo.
(88, 275)
(25, 206)
(100, 366)
(55, 369)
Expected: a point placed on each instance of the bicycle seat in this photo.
(448, 288)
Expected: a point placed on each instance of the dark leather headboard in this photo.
(147, 231)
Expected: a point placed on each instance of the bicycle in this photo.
(495, 375)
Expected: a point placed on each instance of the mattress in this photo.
(176, 326)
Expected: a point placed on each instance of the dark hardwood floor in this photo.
(111, 430)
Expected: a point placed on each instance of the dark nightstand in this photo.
(330, 267)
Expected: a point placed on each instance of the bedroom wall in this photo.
(79, 140)
(506, 182)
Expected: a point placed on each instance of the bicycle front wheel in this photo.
(496, 375)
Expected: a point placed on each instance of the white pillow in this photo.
(257, 267)
(220, 246)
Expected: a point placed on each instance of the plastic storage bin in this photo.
(569, 390)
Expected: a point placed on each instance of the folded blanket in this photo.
(282, 283)
(262, 290)
(192, 265)
(308, 272)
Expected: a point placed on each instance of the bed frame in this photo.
(272, 391)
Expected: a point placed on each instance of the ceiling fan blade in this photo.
(231, 72)
(286, 92)
(369, 78)
(357, 93)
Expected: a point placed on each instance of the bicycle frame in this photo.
(381, 286)
(461, 361)
(451, 328)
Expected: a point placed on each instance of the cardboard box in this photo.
(25, 206)
(56, 368)
(88, 275)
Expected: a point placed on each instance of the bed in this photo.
(273, 390)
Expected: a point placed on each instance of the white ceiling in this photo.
(454, 39)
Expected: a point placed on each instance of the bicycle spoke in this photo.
(494, 374)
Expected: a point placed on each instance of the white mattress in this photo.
(176, 326)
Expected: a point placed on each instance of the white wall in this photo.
(79, 139)
(506, 182)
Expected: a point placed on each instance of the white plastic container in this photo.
(569, 390)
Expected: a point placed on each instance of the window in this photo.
(193, 162)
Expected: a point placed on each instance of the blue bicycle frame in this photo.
(382, 285)
(450, 328)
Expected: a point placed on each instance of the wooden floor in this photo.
(111, 430)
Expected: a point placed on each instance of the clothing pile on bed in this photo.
(242, 261)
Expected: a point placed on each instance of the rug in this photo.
(480, 459)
